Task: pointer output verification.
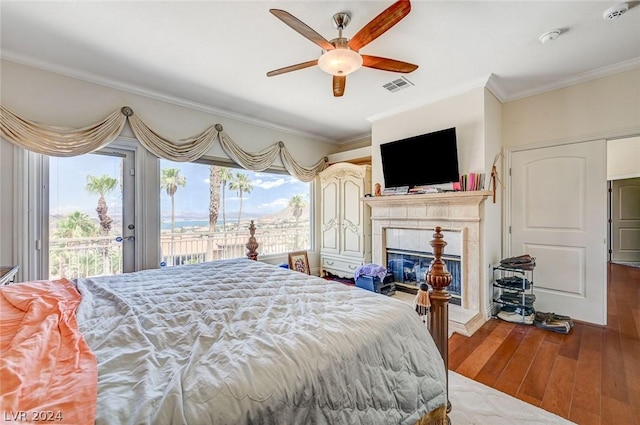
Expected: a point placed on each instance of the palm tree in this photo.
(214, 206)
(241, 184)
(76, 225)
(170, 180)
(225, 177)
(102, 185)
(297, 204)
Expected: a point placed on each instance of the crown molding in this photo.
(577, 79)
(151, 94)
(494, 87)
(366, 137)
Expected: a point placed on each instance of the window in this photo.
(148, 226)
(206, 210)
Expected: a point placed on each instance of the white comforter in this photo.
(242, 342)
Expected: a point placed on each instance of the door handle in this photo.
(127, 238)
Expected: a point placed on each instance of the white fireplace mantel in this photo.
(455, 211)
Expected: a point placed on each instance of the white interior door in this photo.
(625, 216)
(558, 199)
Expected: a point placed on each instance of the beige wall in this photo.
(63, 101)
(465, 112)
(58, 100)
(607, 107)
(492, 214)
(603, 108)
(6, 203)
(476, 115)
(623, 158)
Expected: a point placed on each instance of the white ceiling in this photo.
(215, 54)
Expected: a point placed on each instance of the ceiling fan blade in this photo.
(339, 81)
(380, 24)
(302, 28)
(292, 68)
(387, 64)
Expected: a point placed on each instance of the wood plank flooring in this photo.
(590, 376)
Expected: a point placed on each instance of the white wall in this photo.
(63, 101)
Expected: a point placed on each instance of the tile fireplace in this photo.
(409, 255)
(405, 224)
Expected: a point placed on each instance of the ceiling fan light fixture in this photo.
(340, 61)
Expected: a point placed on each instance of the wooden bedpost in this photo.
(439, 278)
(252, 245)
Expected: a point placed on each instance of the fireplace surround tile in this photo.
(460, 212)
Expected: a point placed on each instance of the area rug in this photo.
(476, 404)
(622, 263)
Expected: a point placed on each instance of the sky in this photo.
(68, 177)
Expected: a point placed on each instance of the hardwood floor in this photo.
(589, 376)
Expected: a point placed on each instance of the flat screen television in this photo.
(424, 160)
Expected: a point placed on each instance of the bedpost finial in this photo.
(438, 276)
(252, 245)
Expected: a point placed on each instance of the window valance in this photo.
(62, 141)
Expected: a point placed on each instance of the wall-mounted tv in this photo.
(424, 160)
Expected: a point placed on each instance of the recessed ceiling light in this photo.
(549, 36)
(615, 12)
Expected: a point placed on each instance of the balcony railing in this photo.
(98, 256)
(196, 247)
(82, 257)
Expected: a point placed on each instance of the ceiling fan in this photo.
(340, 56)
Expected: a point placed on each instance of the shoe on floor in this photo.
(516, 317)
(542, 317)
(553, 322)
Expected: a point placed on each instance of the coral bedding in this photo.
(47, 371)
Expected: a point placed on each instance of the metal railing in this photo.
(196, 247)
(99, 256)
(82, 257)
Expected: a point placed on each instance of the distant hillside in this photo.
(285, 215)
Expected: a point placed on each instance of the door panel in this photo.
(352, 216)
(626, 220)
(558, 215)
(91, 217)
(330, 216)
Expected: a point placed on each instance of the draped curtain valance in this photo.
(62, 141)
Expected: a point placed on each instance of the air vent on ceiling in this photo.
(397, 85)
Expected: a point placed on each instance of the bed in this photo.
(244, 342)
